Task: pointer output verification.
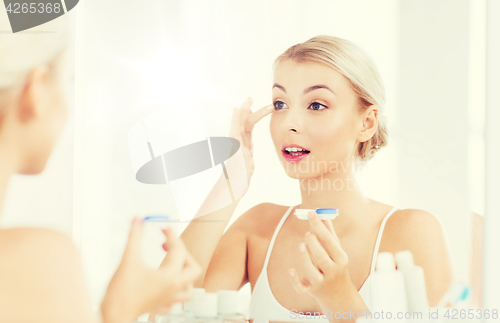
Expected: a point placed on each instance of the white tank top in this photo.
(264, 307)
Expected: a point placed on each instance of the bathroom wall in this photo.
(491, 240)
(432, 129)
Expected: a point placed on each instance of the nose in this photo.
(293, 121)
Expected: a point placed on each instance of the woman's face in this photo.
(40, 134)
(316, 109)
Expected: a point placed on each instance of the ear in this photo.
(369, 122)
(32, 94)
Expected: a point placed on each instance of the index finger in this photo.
(190, 261)
(329, 225)
(176, 254)
(327, 238)
(192, 270)
(256, 116)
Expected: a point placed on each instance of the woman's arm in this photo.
(202, 235)
(41, 278)
(228, 268)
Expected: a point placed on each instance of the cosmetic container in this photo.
(227, 307)
(206, 309)
(176, 315)
(191, 305)
(457, 295)
(387, 287)
(414, 282)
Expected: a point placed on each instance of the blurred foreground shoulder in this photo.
(31, 241)
(41, 269)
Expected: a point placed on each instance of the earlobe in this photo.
(30, 100)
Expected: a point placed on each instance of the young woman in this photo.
(41, 277)
(328, 101)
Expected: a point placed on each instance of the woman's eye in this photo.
(317, 106)
(278, 105)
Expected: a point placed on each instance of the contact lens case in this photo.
(323, 214)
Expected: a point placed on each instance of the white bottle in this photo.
(227, 307)
(206, 310)
(387, 288)
(191, 305)
(176, 315)
(414, 282)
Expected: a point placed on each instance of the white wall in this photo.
(492, 219)
(432, 131)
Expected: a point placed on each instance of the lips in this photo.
(292, 150)
(294, 155)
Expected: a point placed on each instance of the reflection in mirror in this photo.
(425, 62)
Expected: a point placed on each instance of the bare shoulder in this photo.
(407, 228)
(260, 219)
(27, 252)
(33, 243)
(40, 267)
(419, 231)
(423, 234)
(233, 261)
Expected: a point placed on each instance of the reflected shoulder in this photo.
(260, 217)
(407, 228)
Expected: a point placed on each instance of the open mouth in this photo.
(296, 151)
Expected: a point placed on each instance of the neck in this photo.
(337, 188)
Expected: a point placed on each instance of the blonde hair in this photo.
(21, 52)
(354, 63)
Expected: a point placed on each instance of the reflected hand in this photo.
(242, 123)
(136, 289)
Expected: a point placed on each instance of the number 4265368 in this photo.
(470, 313)
(34, 8)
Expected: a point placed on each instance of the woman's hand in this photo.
(323, 272)
(136, 289)
(242, 123)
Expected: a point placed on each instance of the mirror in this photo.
(208, 57)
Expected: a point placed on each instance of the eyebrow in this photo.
(309, 89)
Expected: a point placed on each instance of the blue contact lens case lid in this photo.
(327, 211)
